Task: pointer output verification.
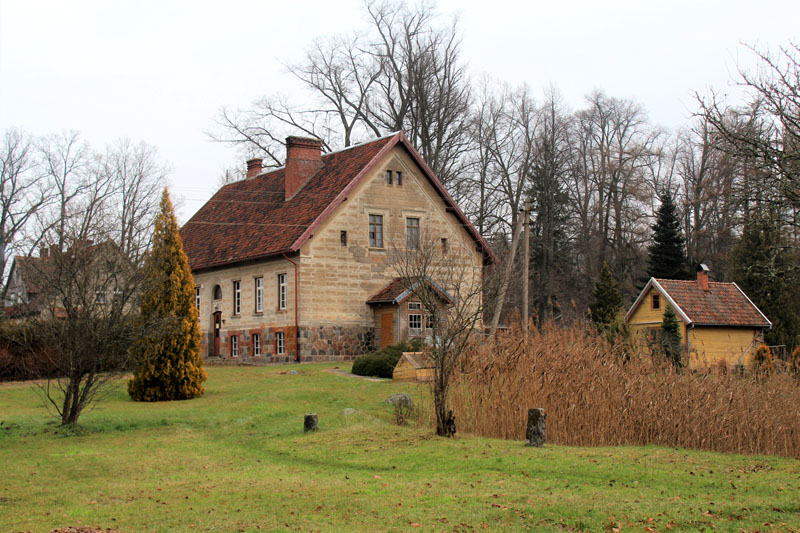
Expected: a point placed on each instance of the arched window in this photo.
(217, 292)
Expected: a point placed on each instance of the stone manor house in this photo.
(295, 263)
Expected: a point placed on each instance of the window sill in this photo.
(376, 249)
(258, 313)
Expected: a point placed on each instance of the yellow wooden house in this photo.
(718, 321)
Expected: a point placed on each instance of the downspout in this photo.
(689, 328)
(296, 308)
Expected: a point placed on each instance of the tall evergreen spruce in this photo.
(667, 253)
(607, 300)
(169, 366)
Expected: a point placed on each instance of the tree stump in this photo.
(311, 422)
(534, 434)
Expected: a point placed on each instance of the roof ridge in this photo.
(356, 145)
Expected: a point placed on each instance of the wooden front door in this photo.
(387, 326)
(217, 321)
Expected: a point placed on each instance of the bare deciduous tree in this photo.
(404, 73)
(22, 190)
(88, 324)
(448, 284)
(766, 131)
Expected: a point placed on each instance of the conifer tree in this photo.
(607, 300)
(671, 337)
(667, 253)
(765, 266)
(169, 366)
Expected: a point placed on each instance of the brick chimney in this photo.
(303, 160)
(702, 277)
(254, 167)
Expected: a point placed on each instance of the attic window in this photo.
(343, 237)
(399, 177)
(656, 301)
(388, 177)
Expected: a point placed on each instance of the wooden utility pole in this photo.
(506, 275)
(526, 245)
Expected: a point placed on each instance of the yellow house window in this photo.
(656, 301)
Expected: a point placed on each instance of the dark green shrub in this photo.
(381, 363)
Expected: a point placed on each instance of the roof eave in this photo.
(654, 283)
(262, 257)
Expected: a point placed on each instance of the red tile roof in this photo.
(725, 304)
(389, 293)
(250, 220)
(396, 292)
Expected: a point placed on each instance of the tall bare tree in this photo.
(766, 131)
(137, 176)
(22, 190)
(403, 73)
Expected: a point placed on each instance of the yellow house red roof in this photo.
(723, 304)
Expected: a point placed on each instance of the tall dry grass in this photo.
(594, 395)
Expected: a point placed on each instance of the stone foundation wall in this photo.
(321, 342)
(317, 343)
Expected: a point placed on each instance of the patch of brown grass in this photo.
(595, 394)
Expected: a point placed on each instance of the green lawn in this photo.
(238, 460)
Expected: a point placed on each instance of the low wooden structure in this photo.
(413, 366)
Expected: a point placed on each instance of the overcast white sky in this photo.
(158, 71)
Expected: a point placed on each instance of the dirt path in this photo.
(350, 375)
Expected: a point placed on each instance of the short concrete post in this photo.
(311, 422)
(534, 434)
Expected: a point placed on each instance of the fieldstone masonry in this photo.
(335, 341)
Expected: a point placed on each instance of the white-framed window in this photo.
(280, 343)
(414, 306)
(259, 295)
(100, 297)
(415, 325)
(197, 297)
(282, 291)
(256, 344)
(237, 297)
(412, 233)
(376, 231)
(234, 346)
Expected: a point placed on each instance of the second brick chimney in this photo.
(303, 160)
(702, 277)
(254, 167)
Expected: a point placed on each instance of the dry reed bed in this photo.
(593, 398)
